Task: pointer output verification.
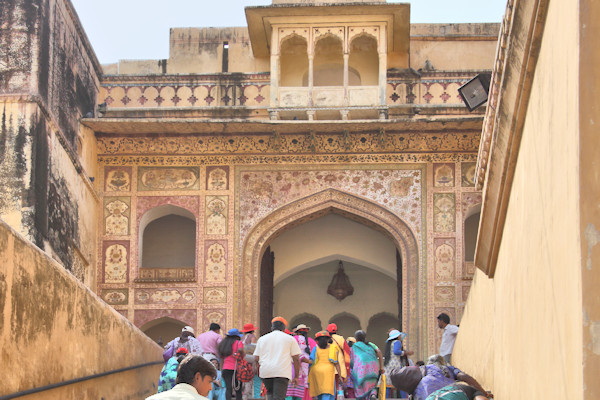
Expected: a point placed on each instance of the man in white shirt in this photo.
(448, 337)
(274, 353)
(195, 376)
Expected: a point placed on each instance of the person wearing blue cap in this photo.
(395, 355)
(228, 347)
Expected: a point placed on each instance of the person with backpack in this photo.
(231, 349)
(166, 381)
(187, 339)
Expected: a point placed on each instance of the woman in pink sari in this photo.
(306, 344)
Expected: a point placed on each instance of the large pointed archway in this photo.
(247, 282)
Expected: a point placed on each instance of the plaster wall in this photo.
(200, 50)
(521, 334)
(589, 110)
(329, 238)
(72, 332)
(452, 55)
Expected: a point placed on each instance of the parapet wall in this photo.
(54, 329)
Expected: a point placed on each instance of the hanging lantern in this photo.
(340, 286)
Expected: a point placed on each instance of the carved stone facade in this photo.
(239, 208)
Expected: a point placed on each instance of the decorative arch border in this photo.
(353, 35)
(246, 281)
(285, 36)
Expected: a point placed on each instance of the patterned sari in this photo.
(365, 368)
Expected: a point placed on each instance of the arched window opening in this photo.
(364, 59)
(167, 238)
(379, 325)
(293, 61)
(328, 68)
(471, 228)
(310, 320)
(346, 323)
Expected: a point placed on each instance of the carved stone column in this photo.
(311, 77)
(346, 59)
(382, 77)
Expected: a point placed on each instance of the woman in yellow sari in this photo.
(324, 364)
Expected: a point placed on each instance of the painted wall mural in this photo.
(446, 294)
(117, 179)
(217, 316)
(166, 274)
(444, 212)
(164, 296)
(444, 259)
(116, 261)
(468, 174)
(443, 175)
(117, 215)
(216, 261)
(261, 192)
(217, 211)
(131, 188)
(115, 297)
(171, 178)
(215, 295)
(217, 178)
(468, 200)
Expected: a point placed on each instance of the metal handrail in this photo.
(76, 380)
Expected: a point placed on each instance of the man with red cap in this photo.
(344, 350)
(274, 353)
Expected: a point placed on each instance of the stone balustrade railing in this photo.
(253, 90)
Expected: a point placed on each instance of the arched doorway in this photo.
(248, 284)
(308, 256)
(163, 329)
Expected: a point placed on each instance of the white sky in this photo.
(139, 29)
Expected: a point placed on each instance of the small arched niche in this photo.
(347, 324)
(470, 232)
(364, 59)
(293, 61)
(328, 67)
(378, 327)
(310, 320)
(167, 238)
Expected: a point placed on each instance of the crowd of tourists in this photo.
(289, 364)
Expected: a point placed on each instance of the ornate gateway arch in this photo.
(247, 283)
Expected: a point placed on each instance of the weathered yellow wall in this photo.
(589, 115)
(53, 328)
(521, 333)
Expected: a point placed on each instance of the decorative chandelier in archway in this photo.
(340, 286)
